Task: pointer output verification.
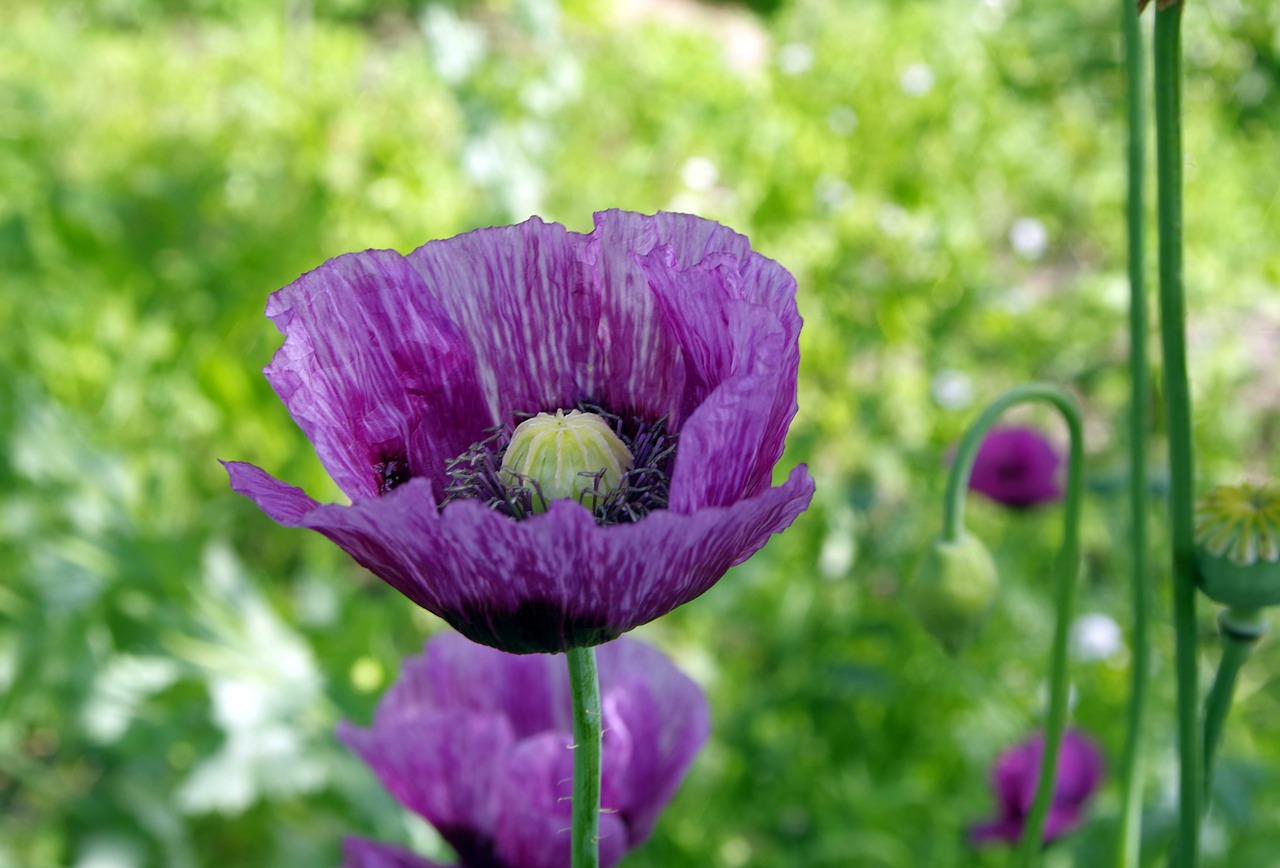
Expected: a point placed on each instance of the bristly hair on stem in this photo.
(477, 473)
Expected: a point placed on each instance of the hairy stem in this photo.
(585, 685)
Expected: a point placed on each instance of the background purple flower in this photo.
(478, 743)
(393, 365)
(1014, 779)
(1017, 467)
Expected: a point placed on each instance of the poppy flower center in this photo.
(566, 457)
(619, 471)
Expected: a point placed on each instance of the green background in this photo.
(944, 178)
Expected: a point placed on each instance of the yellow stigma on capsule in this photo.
(570, 456)
(1240, 523)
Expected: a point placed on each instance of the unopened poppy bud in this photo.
(566, 456)
(953, 589)
(1238, 545)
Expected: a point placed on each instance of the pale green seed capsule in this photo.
(570, 456)
(953, 590)
(1238, 544)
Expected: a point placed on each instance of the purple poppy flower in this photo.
(397, 366)
(1016, 775)
(1017, 467)
(478, 743)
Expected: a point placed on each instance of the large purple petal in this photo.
(522, 297)
(547, 583)
(733, 349)
(444, 765)
(363, 853)
(666, 720)
(373, 371)
(531, 691)
(733, 313)
(536, 819)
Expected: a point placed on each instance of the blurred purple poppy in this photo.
(407, 373)
(1016, 775)
(478, 743)
(1017, 467)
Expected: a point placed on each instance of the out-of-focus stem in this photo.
(1240, 630)
(1129, 839)
(1168, 111)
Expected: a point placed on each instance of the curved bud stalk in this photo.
(964, 562)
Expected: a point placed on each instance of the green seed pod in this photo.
(569, 456)
(953, 590)
(1238, 545)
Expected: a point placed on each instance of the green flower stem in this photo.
(584, 683)
(1240, 630)
(1067, 570)
(1168, 111)
(1129, 838)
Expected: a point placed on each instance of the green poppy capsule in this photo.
(1238, 545)
(566, 456)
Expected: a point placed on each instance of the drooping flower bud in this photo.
(953, 589)
(567, 456)
(1238, 544)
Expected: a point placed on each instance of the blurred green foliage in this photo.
(944, 178)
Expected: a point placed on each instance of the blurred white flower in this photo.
(916, 79)
(893, 219)
(122, 685)
(831, 192)
(952, 390)
(839, 545)
(266, 694)
(842, 120)
(110, 851)
(699, 173)
(1028, 237)
(795, 58)
(456, 46)
(1095, 637)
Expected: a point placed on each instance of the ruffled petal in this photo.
(283, 503)
(697, 269)
(363, 853)
(553, 581)
(444, 765)
(374, 372)
(666, 722)
(528, 309)
(534, 829)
